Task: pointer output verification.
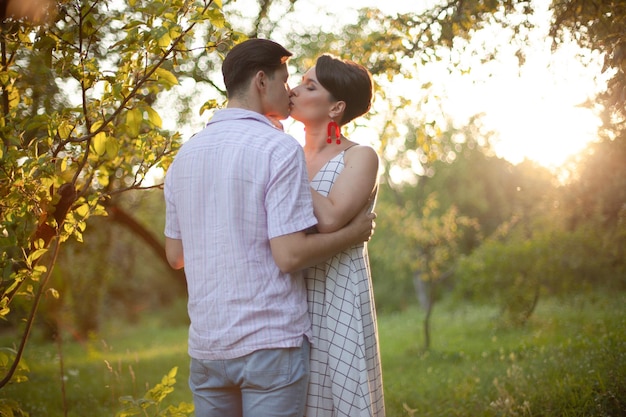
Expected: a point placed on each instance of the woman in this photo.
(346, 377)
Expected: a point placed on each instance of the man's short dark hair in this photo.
(247, 58)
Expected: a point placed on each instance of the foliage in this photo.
(425, 244)
(81, 121)
(597, 200)
(9, 407)
(78, 120)
(153, 399)
(112, 269)
(506, 273)
(392, 45)
(570, 359)
(539, 254)
(122, 360)
(485, 192)
(600, 26)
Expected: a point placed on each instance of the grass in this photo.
(569, 360)
(124, 360)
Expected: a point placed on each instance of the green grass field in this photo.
(569, 360)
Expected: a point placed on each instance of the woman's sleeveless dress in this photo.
(346, 375)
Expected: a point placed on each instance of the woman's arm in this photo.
(352, 191)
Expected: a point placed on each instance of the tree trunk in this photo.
(425, 295)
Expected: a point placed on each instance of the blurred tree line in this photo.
(84, 90)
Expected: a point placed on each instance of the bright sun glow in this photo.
(535, 110)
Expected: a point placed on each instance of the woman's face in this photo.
(310, 102)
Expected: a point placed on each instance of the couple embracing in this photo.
(272, 237)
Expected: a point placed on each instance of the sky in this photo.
(535, 110)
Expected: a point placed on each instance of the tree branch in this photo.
(120, 216)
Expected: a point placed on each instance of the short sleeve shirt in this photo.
(231, 188)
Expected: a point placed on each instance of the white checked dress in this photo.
(346, 375)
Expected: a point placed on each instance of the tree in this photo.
(427, 243)
(79, 123)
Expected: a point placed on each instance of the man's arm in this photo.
(174, 252)
(299, 250)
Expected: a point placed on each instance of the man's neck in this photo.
(243, 103)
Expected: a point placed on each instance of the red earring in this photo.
(332, 125)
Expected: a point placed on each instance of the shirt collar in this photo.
(227, 114)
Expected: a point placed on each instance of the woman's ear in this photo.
(337, 109)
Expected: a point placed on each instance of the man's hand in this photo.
(363, 225)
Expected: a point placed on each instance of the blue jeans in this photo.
(268, 383)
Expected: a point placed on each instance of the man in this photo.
(238, 206)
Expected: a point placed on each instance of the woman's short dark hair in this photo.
(347, 81)
(247, 58)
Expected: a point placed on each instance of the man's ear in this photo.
(260, 80)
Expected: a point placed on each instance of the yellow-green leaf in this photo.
(36, 254)
(134, 117)
(64, 130)
(96, 125)
(154, 117)
(82, 210)
(103, 180)
(40, 269)
(112, 147)
(164, 40)
(216, 17)
(99, 143)
(175, 32)
(165, 77)
(13, 95)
